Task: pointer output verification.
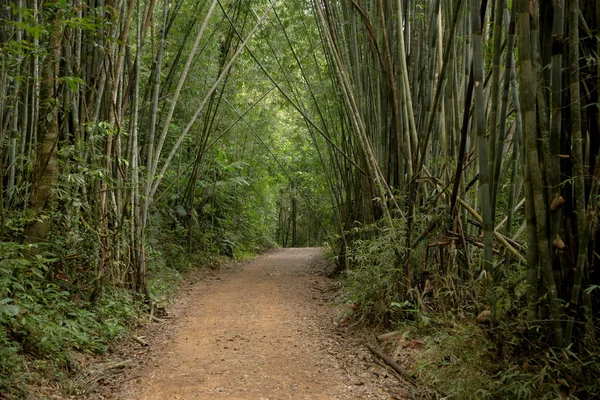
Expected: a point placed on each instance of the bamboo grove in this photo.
(483, 113)
(467, 129)
(88, 105)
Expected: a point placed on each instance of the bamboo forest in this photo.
(437, 161)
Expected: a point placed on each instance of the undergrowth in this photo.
(44, 321)
(51, 311)
(464, 363)
(48, 314)
(389, 287)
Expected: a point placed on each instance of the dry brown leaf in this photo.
(558, 243)
(557, 203)
(484, 316)
(532, 8)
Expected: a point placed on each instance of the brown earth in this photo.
(263, 330)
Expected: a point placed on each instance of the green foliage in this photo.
(164, 274)
(375, 280)
(457, 362)
(46, 318)
(11, 363)
(462, 362)
(461, 359)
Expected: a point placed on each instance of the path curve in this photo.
(261, 332)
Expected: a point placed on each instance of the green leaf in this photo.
(72, 81)
(11, 310)
(590, 289)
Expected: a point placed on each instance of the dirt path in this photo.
(264, 331)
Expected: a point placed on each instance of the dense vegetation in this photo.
(445, 152)
(132, 151)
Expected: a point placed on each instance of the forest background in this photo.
(445, 151)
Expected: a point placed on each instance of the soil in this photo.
(264, 329)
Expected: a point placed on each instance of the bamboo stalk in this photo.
(152, 178)
(158, 177)
(500, 120)
(584, 218)
(535, 195)
(582, 254)
(477, 11)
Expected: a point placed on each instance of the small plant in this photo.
(375, 278)
(45, 318)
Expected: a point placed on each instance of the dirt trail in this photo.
(262, 332)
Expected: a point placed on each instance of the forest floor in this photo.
(262, 329)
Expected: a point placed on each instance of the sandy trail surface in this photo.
(261, 331)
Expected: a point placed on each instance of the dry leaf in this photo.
(558, 243)
(532, 8)
(484, 316)
(388, 335)
(557, 203)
